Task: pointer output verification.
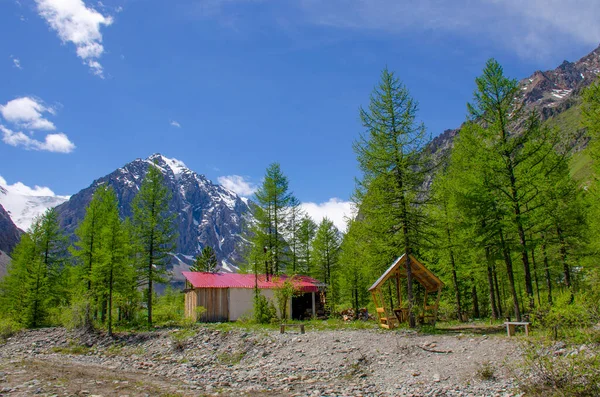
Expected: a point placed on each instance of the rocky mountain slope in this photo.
(207, 214)
(552, 93)
(9, 232)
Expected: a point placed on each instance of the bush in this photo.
(264, 310)
(8, 328)
(564, 317)
(283, 294)
(555, 369)
(72, 316)
(169, 308)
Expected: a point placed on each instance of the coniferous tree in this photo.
(114, 273)
(326, 247)
(206, 261)
(154, 230)
(353, 280)
(87, 251)
(306, 235)
(390, 196)
(274, 201)
(519, 151)
(31, 286)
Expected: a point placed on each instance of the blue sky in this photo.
(229, 86)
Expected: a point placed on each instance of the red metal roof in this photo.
(237, 280)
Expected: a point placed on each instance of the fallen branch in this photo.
(436, 351)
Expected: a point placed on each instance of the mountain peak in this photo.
(176, 166)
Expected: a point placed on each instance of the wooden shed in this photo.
(388, 316)
(229, 296)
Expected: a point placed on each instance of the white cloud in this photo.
(16, 62)
(57, 143)
(175, 124)
(532, 29)
(24, 190)
(78, 24)
(27, 112)
(237, 184)
(335, 209)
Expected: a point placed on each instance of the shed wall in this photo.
(216, 303)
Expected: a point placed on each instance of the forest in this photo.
(500, 218)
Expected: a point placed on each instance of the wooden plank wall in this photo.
(190, 304)
(216, 303)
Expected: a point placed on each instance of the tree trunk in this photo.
(511, 276)
(491, 285)
(563, 257)
(110, 296)
(453, 264)
(535, 275)
(476, 313)
(547, 270)
(498, 298)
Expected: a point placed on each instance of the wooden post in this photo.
(398, 290)
(437, 303)
(424, 306)
(314, 306)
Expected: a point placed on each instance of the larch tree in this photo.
(87, 251)
(519, 148)
(155, 231)
(274, 202)
(391, 194)
(113, 275)
(306, 235)
(326, 251)
(32, 285)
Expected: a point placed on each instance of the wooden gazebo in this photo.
(389, 317)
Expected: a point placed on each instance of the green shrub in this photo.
(264, 310)
(169, 308)
(8, 328)
(556, 369)
(566, 318)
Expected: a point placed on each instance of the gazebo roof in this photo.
(419, 272)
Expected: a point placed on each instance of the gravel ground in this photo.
(57, 362)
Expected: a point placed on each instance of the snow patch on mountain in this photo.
(24, 203)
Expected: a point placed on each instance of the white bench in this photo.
(511, 326)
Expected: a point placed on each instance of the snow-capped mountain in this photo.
(207, 214)
(24, 204)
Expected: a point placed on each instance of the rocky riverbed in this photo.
(209, 361)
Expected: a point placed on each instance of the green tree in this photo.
(353, 272)
(114, 274)
(155, 231)
(32, 287)
(206, 261)
(326, 251)
(306, 235)
(274, 202)
(87, 251)
(390, 196)
(519, 150)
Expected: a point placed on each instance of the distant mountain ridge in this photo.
(207, 214)
(551, 93)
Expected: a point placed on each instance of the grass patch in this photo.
(558, 369)
(73, 349)
(486, 371)
(230, 358)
